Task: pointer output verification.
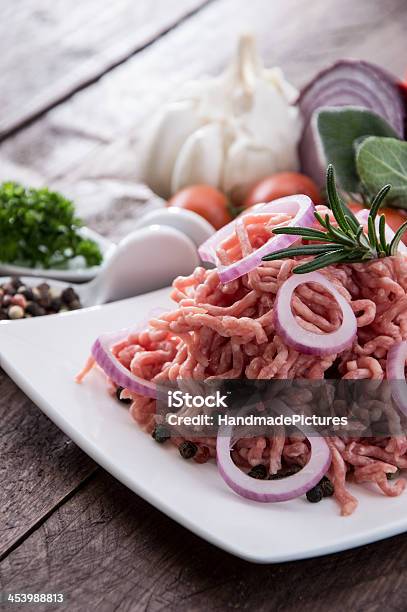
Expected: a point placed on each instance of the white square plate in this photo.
(42, 355)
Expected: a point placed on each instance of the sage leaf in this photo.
(338, 129)
(384, 160)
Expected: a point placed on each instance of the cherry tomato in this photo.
(394, 216)
(280, 185)
(206, 201)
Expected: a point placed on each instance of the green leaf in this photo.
(338, 129)
(333, 198)
(307, 249)
(371, 228)
(327, 259)
(384, 160)
(378, 201)
(394, 245)
(305, 232)
(382, 233)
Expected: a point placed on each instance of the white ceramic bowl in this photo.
(186, 221)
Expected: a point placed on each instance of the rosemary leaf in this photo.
(339, 235)
(378, 200)
(351, 220)
(333, 198)
(371, 228)
(346, 243)
(319, 218)
(327, 259)
(306, 249)
(304, 232)
(397, 237)
(382, 233)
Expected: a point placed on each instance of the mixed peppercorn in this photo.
(18, 301)
(188, 450)
(324, 488)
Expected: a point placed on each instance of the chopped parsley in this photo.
(38, 227)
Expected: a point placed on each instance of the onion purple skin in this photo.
(269, 491)
(115, 370)
(347, 83)
(304, 217)
(396, 359)
(291, 332)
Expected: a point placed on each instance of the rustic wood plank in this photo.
(107, 549)
(298, 35)
(39, 465)
(71, 44)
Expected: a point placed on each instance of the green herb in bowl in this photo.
(38, 228)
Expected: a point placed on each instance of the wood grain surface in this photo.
(107, 549)
(52, 49)
(39, 466)
(74, 98)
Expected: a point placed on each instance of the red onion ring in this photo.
(305, 341)
(101, 352)
(299, 205)
(273, 490)
(396, 362)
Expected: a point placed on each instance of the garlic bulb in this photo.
(228, 131)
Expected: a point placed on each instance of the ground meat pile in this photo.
(227, 331)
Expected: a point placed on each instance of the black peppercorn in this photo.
(188, 449)
(43, 288)
(35, 310)
(326, 486)
(161, 434)
(44, 300)
(68, 295)
(259, 472)
(27, 292)
(315, 494)
(393, 476)
(74, 305)
(16, 282)
(123, 400)
(55, 305)
(284, 472)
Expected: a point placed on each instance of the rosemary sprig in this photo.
(346, 243)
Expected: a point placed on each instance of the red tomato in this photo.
(206, 201)
(280, 185)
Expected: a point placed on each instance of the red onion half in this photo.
(101, 351)
(299, 205)
(395, 373)
(272, 490)
(306, 341)
(346, 83)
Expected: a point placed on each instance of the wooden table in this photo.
(78, 80)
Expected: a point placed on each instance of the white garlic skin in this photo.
(229, 131)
